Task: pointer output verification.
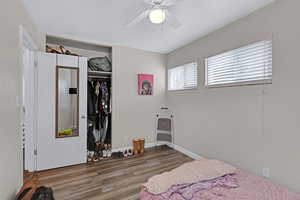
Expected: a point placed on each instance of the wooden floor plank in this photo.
(111, 179)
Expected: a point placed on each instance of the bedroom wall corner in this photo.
(12, 15)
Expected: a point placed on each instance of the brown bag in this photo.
(138, 146)
(27, 190)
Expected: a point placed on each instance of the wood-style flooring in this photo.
(112, 179)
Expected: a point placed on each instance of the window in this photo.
(251, 64)
(183, 77)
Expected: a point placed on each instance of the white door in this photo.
(55, 152)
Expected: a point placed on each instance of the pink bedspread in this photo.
(240, 186)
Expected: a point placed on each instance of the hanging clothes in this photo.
(103, 130)
(91, 141)
(108, 132)
(99, 107)
(91, 110)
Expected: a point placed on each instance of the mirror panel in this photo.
(67, 102)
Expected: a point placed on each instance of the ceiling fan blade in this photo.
(172, 20)
(139, 18)
(151, 2)
(168, 3)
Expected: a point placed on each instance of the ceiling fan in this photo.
(158, 13)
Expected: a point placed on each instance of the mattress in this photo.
(238, 186)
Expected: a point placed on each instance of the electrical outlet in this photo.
(266, 172)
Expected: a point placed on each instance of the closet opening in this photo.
(99, 92)
(99, 114)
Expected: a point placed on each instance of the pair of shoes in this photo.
(90, 155)
(105, 151)
(100, 155)
(95, 158)
(130, 153)
(89, 159)
(117, 155)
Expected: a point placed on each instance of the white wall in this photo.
(133, 115)
(12, 14)
(241, 125)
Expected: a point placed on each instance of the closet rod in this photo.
(99, 73)
(99, 77)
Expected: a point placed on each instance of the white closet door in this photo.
(55, 152)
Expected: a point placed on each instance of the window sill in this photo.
(265, 82)
(181, 90)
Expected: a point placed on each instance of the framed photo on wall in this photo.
(145, 84)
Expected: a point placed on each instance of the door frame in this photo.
(26, 42)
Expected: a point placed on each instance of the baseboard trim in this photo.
(173, 146)
(182, 150)
(185, 151)
(147, 145)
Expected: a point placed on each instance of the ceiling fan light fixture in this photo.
(157, 16)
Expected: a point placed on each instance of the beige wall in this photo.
(244, 125)
(134, 115)
(12, 14)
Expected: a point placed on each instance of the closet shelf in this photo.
(99, 73)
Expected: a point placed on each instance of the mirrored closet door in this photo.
(62, 111)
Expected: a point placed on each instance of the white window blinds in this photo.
(251, 64)
(183, 77)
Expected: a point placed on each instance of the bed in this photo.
(212, 180)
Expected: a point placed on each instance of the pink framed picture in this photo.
(145, 84)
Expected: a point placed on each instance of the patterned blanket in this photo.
(238, 186)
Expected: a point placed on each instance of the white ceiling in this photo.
(103, 21)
